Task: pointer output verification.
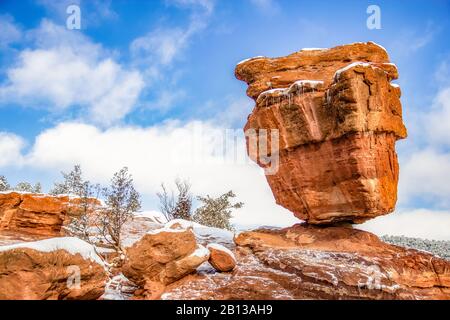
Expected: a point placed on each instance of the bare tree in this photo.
(122, 202)
(177, 206)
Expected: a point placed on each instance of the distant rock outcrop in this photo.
(36, 214)
(338, 117)
(58, 268)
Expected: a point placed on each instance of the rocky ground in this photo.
(436, 247)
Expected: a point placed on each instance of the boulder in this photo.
(161, 257)
(57, 268)
(335, 116)
(221, 258)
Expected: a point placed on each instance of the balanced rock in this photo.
(312, 262)
(221, 258)
(57, 268)
(337, 117)
(161, 257)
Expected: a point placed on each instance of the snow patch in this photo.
(337, 74)
(200, 252)
(314, 49)
(154, 216)
(254, 58)
(119, 288)
(296, 86)
(70, 244)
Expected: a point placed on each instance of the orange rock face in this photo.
(36, 214)
(345, 263)
(160, 258)
(221, 258)
(29, 274)
(313, 262)
(337, 117)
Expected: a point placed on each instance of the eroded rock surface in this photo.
(37, 215)
(59, 268)
(162, 257)
(310, 262)
(338, 117)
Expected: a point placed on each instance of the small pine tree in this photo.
(216, 212)
(179, 206)
(24, 187)
(37, 188)
(4, 185)
(83, 217)
(73, 183)
(122, 202)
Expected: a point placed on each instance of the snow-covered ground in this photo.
(70, 244)
(436, 247)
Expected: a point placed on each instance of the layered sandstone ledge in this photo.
(314, 262)
(38, 215)
(338, 117)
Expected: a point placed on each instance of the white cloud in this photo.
(437, 122)
(425, 174)
(166, 99)
(66, 70)
(10, 149)
(161, 47)
(9, 31)
(160, 154)
(420, 223)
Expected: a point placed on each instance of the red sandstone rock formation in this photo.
(162, 257)
(313, 262)
(34, 271)
(36, 214)
(338, 118)
(221, 258)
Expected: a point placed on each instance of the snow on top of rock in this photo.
(349, 66)
(395, 85)
(118, 288)
(70, 244)
(311, 83)
(378, 45)
(200, 252)
(23, 192)
(314, 49)
(219, 247)
(155, 216)
(254, 58)
(292, 88)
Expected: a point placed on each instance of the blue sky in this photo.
(132, 85)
